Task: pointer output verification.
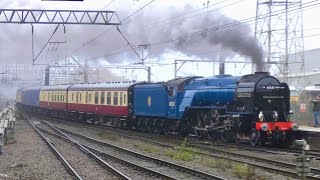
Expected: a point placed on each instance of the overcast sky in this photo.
(16, 39)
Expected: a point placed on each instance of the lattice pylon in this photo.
(279, 29)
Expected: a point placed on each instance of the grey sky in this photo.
(17, 38)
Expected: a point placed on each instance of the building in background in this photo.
(301, 76)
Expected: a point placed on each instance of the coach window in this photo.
(80, 95)
(90, 98)
(109, 98)
(71, 96)
(115, 98)
(121, 98)
(60, 96)
(77, 97)
(102, 97)
(87, 98)
(125, 98)
(96, 97)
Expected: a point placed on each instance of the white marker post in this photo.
(302, 167)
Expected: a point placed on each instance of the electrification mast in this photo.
(279, 29)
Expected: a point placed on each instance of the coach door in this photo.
(172, 98)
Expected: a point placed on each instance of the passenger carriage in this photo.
(30, 98)
(102, 102)
(53, 99)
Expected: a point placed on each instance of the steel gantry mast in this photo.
(279, 29)
(57, 17)
(36, 16)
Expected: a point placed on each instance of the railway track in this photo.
(57, 153)
(268, 164)
(314, 154)
(83, 163)
(181, 172)
(193, 142)
(141, 169)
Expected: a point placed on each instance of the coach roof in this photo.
(101, 86)
(35, 88)
(55, 88)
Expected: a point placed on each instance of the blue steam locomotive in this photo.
(253, 107)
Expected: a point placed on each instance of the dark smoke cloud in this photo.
(231, 40)
(234, 40)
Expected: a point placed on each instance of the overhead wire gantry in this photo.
(36, 16)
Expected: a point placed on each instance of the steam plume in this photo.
(237, 39)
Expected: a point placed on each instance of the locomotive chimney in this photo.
(265, 73)
(221, 65)
(47, 76)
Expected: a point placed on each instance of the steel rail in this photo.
(117, 159)
(296, 152)
(146, 157)
(70, 169)
(90, 153)
(315, 171)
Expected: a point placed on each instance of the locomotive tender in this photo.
(252, 107)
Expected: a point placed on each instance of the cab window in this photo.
(171, 91)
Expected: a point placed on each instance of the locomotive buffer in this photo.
(302, 167)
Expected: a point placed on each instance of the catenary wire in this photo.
(247, 20)
(101, 34)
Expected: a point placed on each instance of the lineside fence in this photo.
(7, 121)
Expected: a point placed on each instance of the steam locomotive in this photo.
(252, 107)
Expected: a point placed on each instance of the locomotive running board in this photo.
(209, 129)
